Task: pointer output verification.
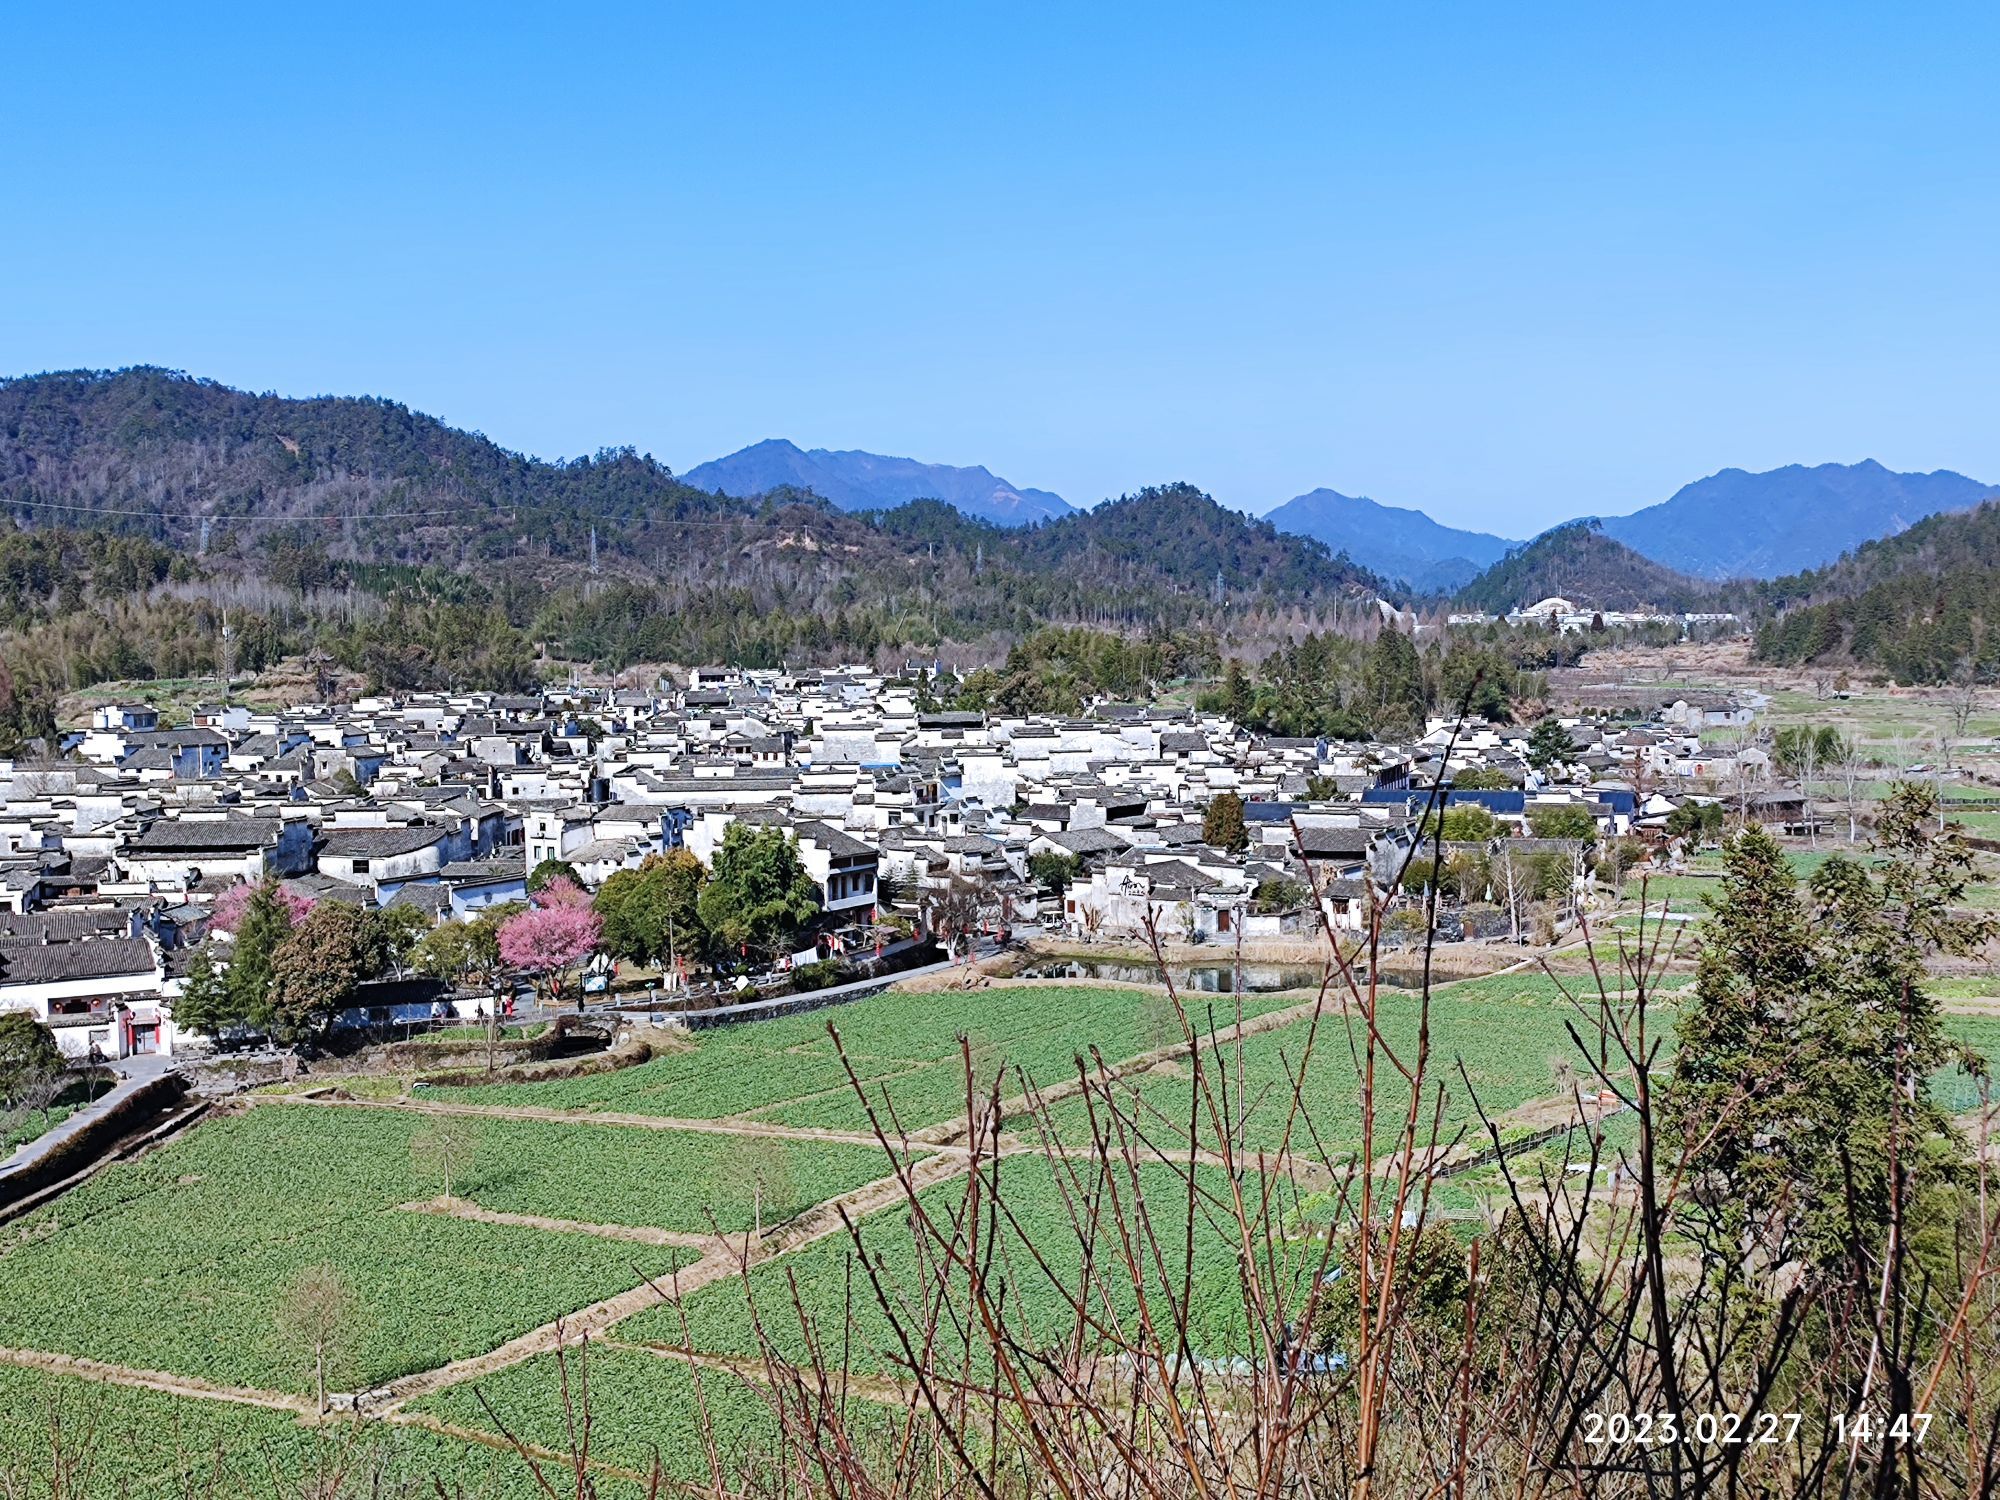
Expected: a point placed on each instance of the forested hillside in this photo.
(425, 556)
(1921, 605)
(1580, 563)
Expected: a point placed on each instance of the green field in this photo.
(145, 1445)
(1676, 892)
(643, 1408)
(1495, 1043)
(904, 1048)
(1048, 1204)
(33, 1126)
(180, 1261)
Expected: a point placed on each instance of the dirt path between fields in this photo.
(464, 1208)
(1333, 1006)
(561, 1463)
(873, 1388)
(760, 1128)
(157, 1380)
(816, 1223)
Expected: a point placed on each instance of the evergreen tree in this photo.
(653, 912)
(1549, 744)
(759, 895)
(550, 870)
(29, 1055)
(1394, 680)
(1222, 824)
(265, 924)
(1238, 700)
(1801, 1076)
(1053, 871)
(314, 971)
(205, 1004)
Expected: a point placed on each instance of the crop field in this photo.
(148, 1445)
(904, 1047)
(830, 1280)
(1679, 892)
(643, 1407)
(182, 1261)
(1506, 1032)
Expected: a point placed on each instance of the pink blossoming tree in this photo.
(557, 932)
(234, 902)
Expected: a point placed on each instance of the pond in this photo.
(1206, 979)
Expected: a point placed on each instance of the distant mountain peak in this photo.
(1739, 524)
(853, 479)
(1389, 540)
(1578, 561)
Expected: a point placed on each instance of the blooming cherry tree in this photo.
(557, 932)
(234, 902)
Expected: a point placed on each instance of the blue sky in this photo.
(1506, 263)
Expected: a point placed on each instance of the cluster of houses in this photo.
(1558, 613)
(116, 845)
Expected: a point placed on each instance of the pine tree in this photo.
(267, 922)
(1222, 824)
(1801, 1076)
(205, 1004)
(1237, 699)
(1549, 744)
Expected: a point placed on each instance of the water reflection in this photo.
(1211, 979)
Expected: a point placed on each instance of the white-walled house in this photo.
(179, 852)
(843, 867)
(375, 858)
(102, 993)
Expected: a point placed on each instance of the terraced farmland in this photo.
(179, 1261)
(905, 1048)
(589, 1200)
(830, 1280)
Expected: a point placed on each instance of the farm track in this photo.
(941, 1155)
(192, 1386)
(461, 1208)
(762, 1129)
(815, 1223)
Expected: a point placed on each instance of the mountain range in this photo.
(223, 467)
(1735, 524)
(1405, 545)
(304, 491)
(853, 481)
(1732, 524)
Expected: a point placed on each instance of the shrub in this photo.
(809, 977)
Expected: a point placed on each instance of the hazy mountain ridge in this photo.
(855, 480)
(125, 443)
(1395, 542)
(1735, 524)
